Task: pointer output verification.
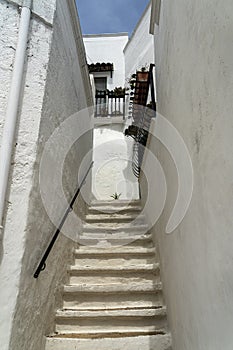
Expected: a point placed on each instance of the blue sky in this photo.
(109, 16)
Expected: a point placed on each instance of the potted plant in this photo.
(143, 73)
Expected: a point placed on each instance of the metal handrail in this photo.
(42, 264)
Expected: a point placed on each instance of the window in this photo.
(101, 83)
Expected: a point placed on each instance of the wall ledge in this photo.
(155, 15)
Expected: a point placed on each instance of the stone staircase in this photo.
(114, 298)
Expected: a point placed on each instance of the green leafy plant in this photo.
(119, 91)
(116, 195)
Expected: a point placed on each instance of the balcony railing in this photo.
(110, 104)
(141, 111)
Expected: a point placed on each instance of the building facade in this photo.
(194, 70)
(107, 51)
(139, 50)
(55, 86)
(191, 47)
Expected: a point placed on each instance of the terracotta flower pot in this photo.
(142, 76)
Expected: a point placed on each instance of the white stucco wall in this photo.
(194, 88)
(139, 51)
(12, 246)
(112, 171)
(108, 48)
(55, 87)
(9, 30)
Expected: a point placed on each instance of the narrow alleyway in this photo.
(114, 297)
(102, 103)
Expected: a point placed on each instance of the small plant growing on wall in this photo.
(116, 195)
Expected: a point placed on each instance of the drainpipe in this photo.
(13, 104)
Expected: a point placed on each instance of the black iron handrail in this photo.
(42, 265)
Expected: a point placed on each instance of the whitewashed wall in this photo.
(108, 48)
(55, 87)
(112, 171)
(139, 51)
(194, 87)
(12, 247)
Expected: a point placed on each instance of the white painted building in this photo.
(55, 85)
(139, 51)
(112, 170)
(193, 51)
(107, 48)
(193, 47)
(127, 56)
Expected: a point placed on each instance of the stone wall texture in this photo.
(54, 89)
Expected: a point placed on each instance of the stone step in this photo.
(115, 203)
(122, 256)
(114, 266)
(118, 296)
(112, 301)
(117, 274)
(110, 342)
(108, 253)
(122, 322)
(113, 288)
(114, 261)
(87, 269)
(114, 298)
(113, 234)
(117, 240)
(100, 332)
(111, 243)
(115, 218)
(130, 209)
(106, 228)
(107, 314)
(110, 321)
(98, 278)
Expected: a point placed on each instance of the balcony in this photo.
(110, 104)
